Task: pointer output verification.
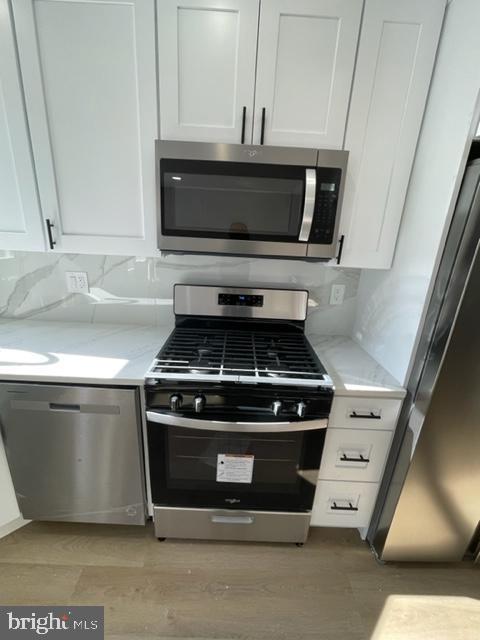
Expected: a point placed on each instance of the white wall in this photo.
(391, 303)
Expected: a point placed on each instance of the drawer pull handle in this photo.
(346, 458)
(232, 519)
(368, 416)
(350, 507)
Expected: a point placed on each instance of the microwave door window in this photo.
(232, 206)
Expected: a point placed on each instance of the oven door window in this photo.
(231, 200)
(270, 471)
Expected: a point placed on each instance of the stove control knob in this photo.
(175, 401)
(301, 409)
(199, 403)
(276, 407)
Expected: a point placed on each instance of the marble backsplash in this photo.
(139, 290)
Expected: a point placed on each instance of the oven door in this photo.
(203, 463)
(236, 207)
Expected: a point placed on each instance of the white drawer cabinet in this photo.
(354, 454)
(89, 76)
(20, 219)
(364, 413)
(359, 434)
(343, 504)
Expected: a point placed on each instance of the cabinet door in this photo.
(20, 220)
(306, 57)
(207, 52)
(89, 74)
(394, 66)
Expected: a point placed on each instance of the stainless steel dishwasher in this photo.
(74, 452)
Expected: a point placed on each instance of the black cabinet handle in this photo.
(50, 225)
(244, 116)
(340, 248)
(262, 132)
(350, 507)
(346, 458)
(366, 416)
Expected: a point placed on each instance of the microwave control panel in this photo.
(326, 203)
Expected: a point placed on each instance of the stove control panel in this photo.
(240, 300)
(234, 402)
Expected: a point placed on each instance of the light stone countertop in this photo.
(78, 352)
(353, 371)
(121, 354)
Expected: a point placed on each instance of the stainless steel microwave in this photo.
(249, 200)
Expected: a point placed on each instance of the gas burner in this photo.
(245, 356)
(198, 364)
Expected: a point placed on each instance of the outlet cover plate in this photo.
(77, 281)
(337, 294)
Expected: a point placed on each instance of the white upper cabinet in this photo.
(20, 220)
(294, 62)
(394, 66)
(306, 59)
(88, 68)
(206, 52)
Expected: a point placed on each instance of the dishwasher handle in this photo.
(57, 406)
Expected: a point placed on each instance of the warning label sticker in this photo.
(234, 468)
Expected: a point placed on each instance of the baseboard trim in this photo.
(12, 526)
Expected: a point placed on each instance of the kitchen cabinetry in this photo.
(20, 221)
(206, 55)
(296, 70)
(74, 452)
(302, 89)
(88, 70)
(358, 439)
(394, 65)
(305, 63)
(297, 82)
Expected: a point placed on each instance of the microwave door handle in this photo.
(309, 204)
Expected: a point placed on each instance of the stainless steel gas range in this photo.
(237, 409)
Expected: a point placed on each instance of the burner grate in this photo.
(238, 353)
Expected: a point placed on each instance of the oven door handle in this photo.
(247, 427)
(309, 204)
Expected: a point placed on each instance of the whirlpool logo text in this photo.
(59, 622)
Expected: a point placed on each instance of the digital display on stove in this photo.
(240, 300)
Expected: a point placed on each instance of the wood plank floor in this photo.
(330, 589)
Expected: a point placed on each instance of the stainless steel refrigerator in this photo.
(429, 503)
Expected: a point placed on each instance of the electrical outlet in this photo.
(337, 294)
(77, 281)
